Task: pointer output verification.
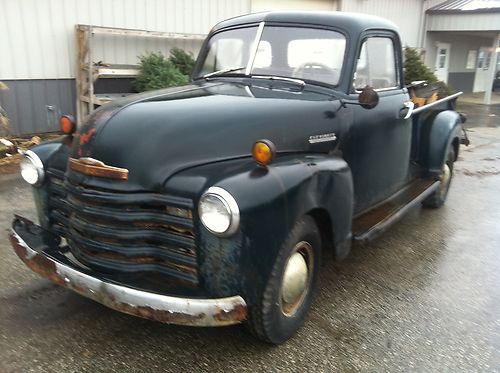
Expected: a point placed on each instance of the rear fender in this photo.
(444, 132)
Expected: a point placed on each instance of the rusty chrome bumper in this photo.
(163, 308)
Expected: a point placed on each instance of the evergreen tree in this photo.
(158, 72)
(415, 69)
(183, 60)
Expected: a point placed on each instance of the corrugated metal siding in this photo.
(34, 106)
(464, 22)
(431, 3)
(404, 13)
(37, 36)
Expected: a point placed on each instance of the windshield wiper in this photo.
(223, 71)
(281, 78)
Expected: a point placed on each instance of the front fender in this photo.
(271, 200)
(53, 154)
(445, 128)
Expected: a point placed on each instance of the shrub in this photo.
(183, 60)
(416, 70)
(157, 72)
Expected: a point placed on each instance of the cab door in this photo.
(379, 141)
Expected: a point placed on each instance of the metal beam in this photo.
(493, 67)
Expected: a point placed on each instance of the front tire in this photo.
(438, 197)
(288, 295)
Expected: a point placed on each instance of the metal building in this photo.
(458, 38)
(37, 46)
(463, 41)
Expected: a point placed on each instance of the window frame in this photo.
(396, 55)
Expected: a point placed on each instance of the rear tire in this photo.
(438, 197)
(288, 295)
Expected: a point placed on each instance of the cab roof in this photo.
(353, 23)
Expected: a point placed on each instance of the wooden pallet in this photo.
(87, 71)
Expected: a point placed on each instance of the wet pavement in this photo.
(480, 115)
(425, 296)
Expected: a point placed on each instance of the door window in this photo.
(442, 58)
(376, 65)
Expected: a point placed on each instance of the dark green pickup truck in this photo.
(215, 203)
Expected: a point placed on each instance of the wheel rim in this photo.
(296, 278)
(445, 179)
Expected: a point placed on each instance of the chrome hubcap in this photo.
(445, 179)
(296, 278)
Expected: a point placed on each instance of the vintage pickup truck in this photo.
(215, 203)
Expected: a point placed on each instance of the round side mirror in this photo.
(368, 98)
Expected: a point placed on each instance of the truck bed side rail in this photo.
(437, 102)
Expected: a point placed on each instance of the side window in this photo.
(224, 53)
(264, 56)
(376, 65)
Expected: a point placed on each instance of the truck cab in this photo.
(216, 203)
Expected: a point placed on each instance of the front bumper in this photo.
(29, 243)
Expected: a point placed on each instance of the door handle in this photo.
(407, 110)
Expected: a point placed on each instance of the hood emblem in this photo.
(326, 137)
(93, 167)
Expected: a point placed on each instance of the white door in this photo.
(442, 61)
(481, 79)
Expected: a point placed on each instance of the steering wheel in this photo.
(315, 71)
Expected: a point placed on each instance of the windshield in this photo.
(291, 52)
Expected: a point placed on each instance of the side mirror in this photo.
(368, 98)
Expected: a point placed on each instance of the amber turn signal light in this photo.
(68, 125)
(263, 151)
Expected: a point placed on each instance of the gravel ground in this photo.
(425, 296)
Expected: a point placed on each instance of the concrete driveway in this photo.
(423, 297)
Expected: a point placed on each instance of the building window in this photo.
(483, 61)
(471, 59)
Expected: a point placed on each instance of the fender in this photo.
(444, 130)
(53, 154)
(48, 149)
(270, 200)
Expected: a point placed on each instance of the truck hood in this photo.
(157, 134)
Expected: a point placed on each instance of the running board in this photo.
(370, 224)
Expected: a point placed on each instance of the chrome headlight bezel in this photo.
(37, 164)
(229, 203)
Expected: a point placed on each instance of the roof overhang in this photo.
(465, 7)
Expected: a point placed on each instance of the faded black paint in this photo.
(180, 141)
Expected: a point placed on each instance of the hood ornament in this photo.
(93, 167)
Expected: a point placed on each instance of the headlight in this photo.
(32, 168)
(219, 211)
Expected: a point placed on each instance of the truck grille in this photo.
(123, 232)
